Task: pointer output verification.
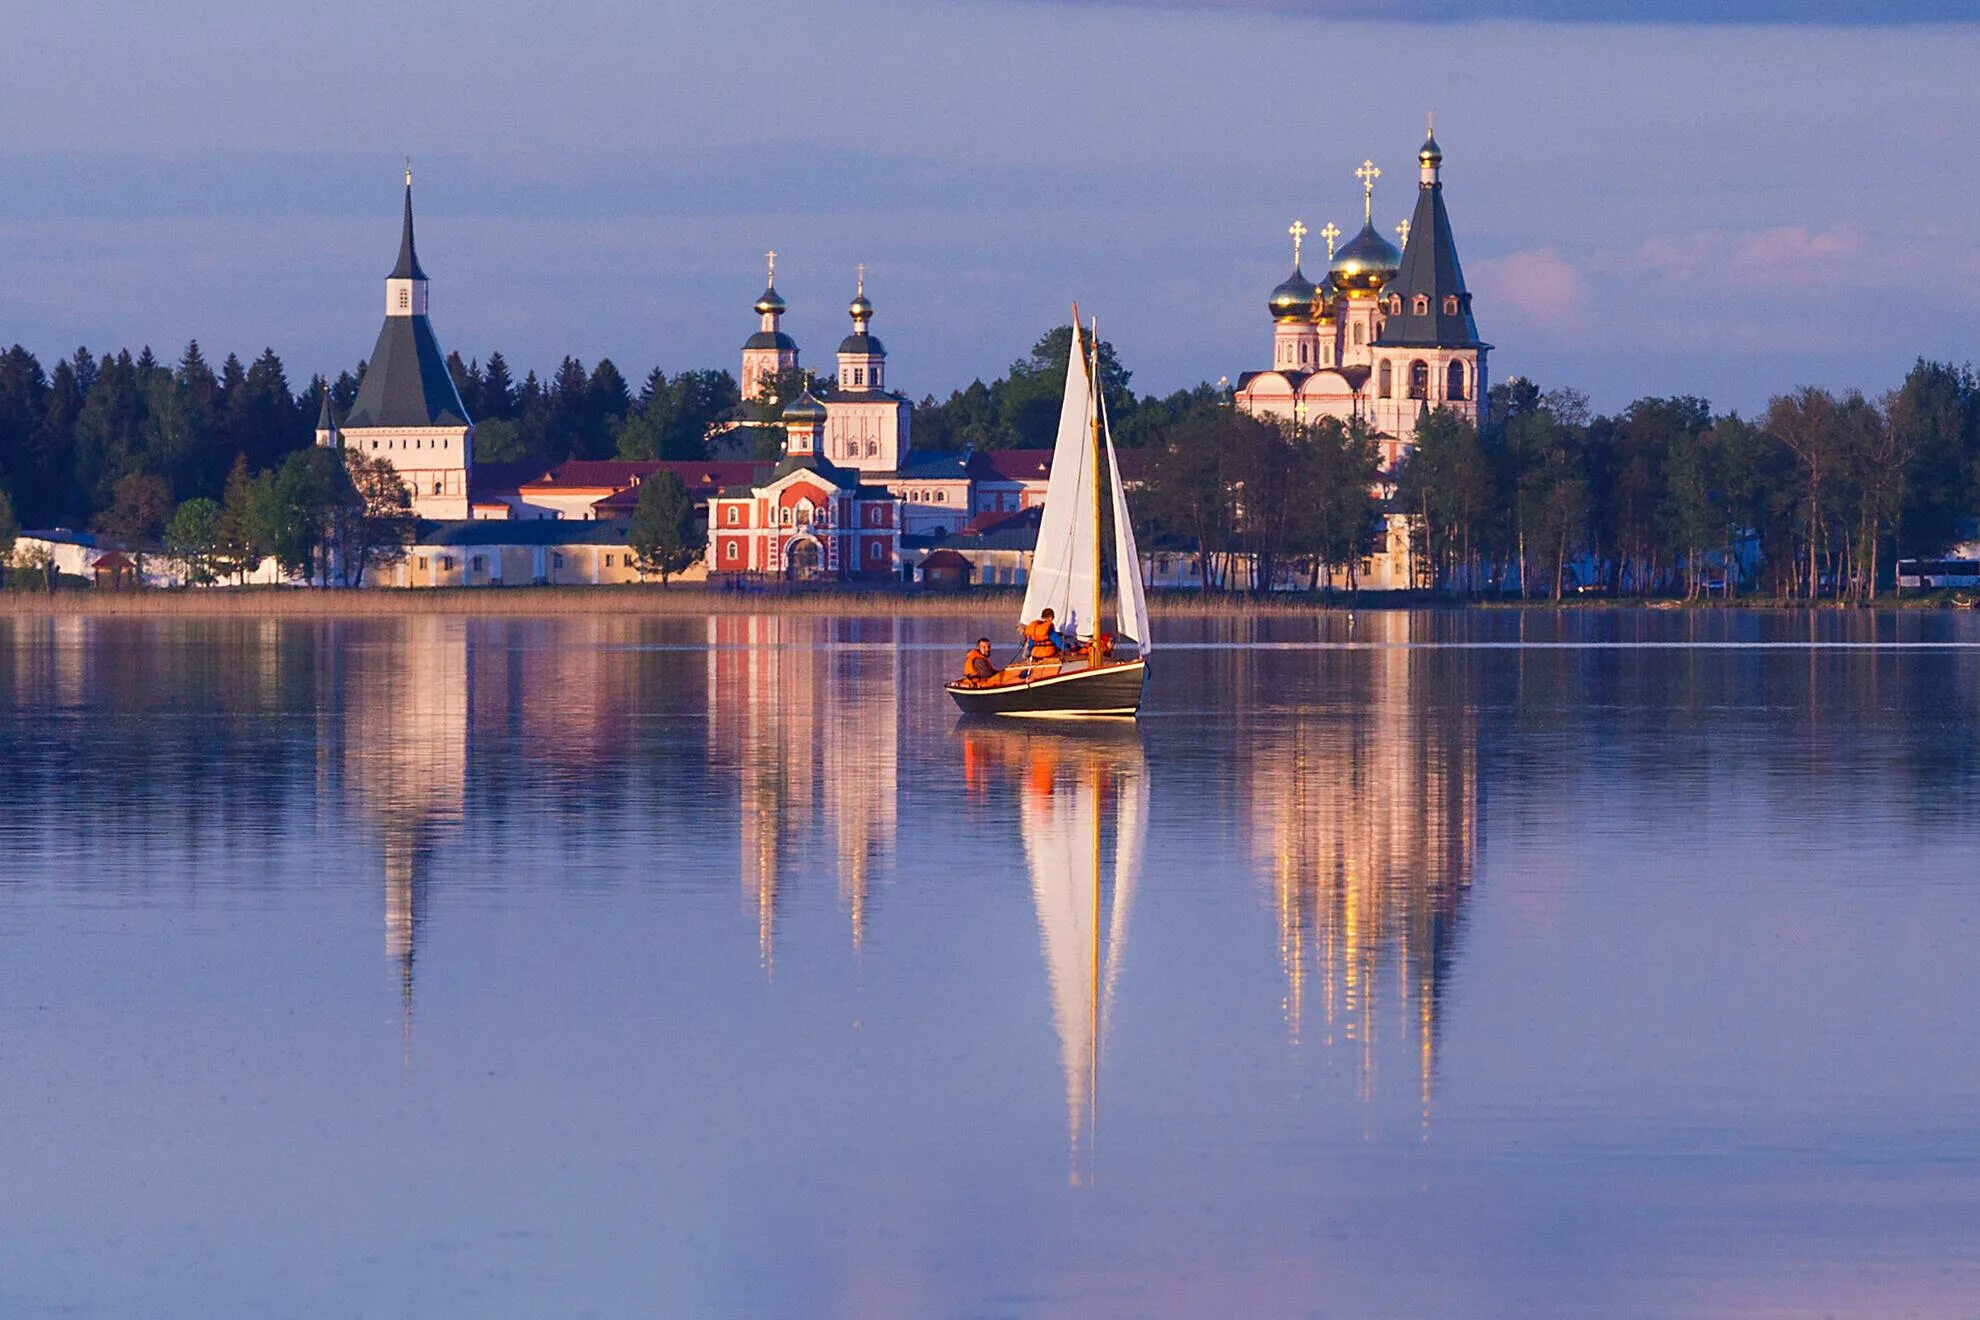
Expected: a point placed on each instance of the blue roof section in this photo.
(934, 465)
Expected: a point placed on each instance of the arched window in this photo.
(1420, 305)
(1419, 379)
(1395, 304)
(1450, 304)
(1454, 381)
(1360, 334)
(1384, 381)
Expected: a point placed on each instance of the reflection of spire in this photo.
(405, 748)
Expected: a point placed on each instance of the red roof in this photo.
(608, 473)
(492, 479)
(1010, 464)
(945, 559)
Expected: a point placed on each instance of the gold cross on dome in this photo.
(1330, 233)
(1368, 173)
(1298, 232)
(860, 271)
(1402, 231)
(771, 257)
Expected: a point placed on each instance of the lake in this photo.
(1460, 963)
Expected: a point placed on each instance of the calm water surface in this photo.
(1455, 964)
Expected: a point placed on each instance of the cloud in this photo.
(1539, 288)
(1779, 257)
(1841, 13)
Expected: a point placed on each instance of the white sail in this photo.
(1062, 567)
(1132, 611)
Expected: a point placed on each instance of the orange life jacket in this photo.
(977, 666)
(1039, 633)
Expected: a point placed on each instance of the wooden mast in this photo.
(1093, 411)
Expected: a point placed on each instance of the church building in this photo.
(868, 426)
(407, 410)
(1386, 335)
(808, 517)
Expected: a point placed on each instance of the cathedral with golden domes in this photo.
(1386, 335)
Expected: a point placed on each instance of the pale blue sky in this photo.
(1716, 208)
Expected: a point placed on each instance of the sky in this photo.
(1647, 197)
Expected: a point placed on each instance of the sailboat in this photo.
(1094, 678)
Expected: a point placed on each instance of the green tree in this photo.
(312, 492)
(1445, 485)
(247, 522)
(375, 524)
(193, 536)
(10, 529)
(663, 535)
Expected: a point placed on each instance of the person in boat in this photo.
(1041, 638)
(977, 666)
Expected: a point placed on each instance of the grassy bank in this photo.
(522, 602)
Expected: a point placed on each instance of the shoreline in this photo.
(691, 601)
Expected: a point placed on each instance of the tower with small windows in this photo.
(769, 351)
(407, 410)
(1429, 349)
(862, 357)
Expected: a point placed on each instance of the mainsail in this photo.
(1064, 566)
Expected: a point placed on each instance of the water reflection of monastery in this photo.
(1366, 823)
(808, 720)
(1083, 812)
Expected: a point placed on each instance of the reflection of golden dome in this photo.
(1368, 262)
(1293, 300)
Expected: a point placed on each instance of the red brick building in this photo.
(808, 519)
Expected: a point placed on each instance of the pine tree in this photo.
(498, 391)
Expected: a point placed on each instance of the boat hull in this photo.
(1110, 690)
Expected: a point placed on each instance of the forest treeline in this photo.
(1820, 493)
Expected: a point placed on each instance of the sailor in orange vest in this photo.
(977, 667)
(1041, 637)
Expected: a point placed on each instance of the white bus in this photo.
(1930, 573)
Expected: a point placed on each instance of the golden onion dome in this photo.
(771, 303)
(1430, 153)
(1365, 264)
(1293, 300)
(1323, 299)
(860, 308)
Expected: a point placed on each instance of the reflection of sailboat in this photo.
(1065, 575)
(1083, 802)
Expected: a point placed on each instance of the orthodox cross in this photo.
(1298, 232)
(1368, 173)
(771, 257)
(409, 171)
(1402, 231)
(860, 270)
(1330, 233)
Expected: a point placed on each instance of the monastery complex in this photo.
(1385, 335)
